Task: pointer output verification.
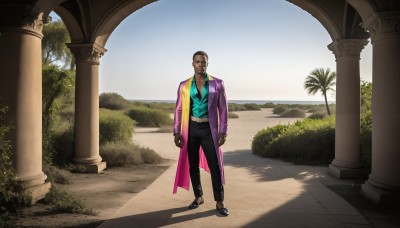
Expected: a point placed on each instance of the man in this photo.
(200, 127)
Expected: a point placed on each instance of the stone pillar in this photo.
(21, 91)
(347, 138)
(87, 57)
(383, 184)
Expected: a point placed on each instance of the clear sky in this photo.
(263, 50)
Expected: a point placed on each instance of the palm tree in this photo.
(321, 80)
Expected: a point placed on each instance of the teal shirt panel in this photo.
(198, 103)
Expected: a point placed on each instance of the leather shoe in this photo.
(195, 204)
(223, 211)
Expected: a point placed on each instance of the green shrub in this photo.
(63, 201)
(252, 107)
(317, 116)
(58, 86)
(279, 109)
(366, 140)
(268, 105)
(63, 147)
(13, 197)
(112, 101)
(146, 117)
(169, 107)
(266, 136)
(122, 154)
(317, 109)
(293, 113)
(115, 127)
(232, 115)
(56, 175)
(305, 142)
(232, 107)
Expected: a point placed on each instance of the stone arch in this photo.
(90, 23)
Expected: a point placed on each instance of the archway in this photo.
(91, 24)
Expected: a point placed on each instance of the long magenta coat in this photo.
(217, 110)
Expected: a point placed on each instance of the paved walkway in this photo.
(259, 192)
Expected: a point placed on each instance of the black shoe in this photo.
(223, 211)
(195, 204)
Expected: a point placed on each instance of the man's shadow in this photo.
(158, 218)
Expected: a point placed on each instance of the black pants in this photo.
(200, 135)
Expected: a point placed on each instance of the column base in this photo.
(347, 173)
(380, 196)
(95, 168)
(38, 192)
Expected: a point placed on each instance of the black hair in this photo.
(200, 53)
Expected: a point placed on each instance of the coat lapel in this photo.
(211, 91)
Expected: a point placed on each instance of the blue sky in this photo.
(263, 50)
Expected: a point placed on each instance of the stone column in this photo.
(21, 91)
(383, 185)
(347, 138)
(87, 57)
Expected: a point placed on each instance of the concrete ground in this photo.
(259, 192)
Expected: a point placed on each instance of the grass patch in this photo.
(63, 201)
(118, 154)
(56, 175)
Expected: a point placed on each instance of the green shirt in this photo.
(198, 103)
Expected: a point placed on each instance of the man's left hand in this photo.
(221, 139)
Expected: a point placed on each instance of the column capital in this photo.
(347, 47)
(383, 24)
(87, 52)
(21, 18)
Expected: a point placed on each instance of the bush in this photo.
(119, 154)
(63, 147)
(66, 202)
(232, 115)
(13, 197)
(58, 86)
(268, 105)
(279, 109)
(232, 107)
(366, 140)
(252, 107)
(56, 175)
(169, 107)
(308, 141)
(317, 116)
(293, 113)
(146, 117)
(115, 127)
(265, 137)
(112, 101)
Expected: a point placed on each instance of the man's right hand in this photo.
(178, 140)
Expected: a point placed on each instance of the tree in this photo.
(58, 85)
(321, 80)
(54, 48)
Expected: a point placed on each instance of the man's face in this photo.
(200, 64)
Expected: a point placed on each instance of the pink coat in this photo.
(217, 110)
